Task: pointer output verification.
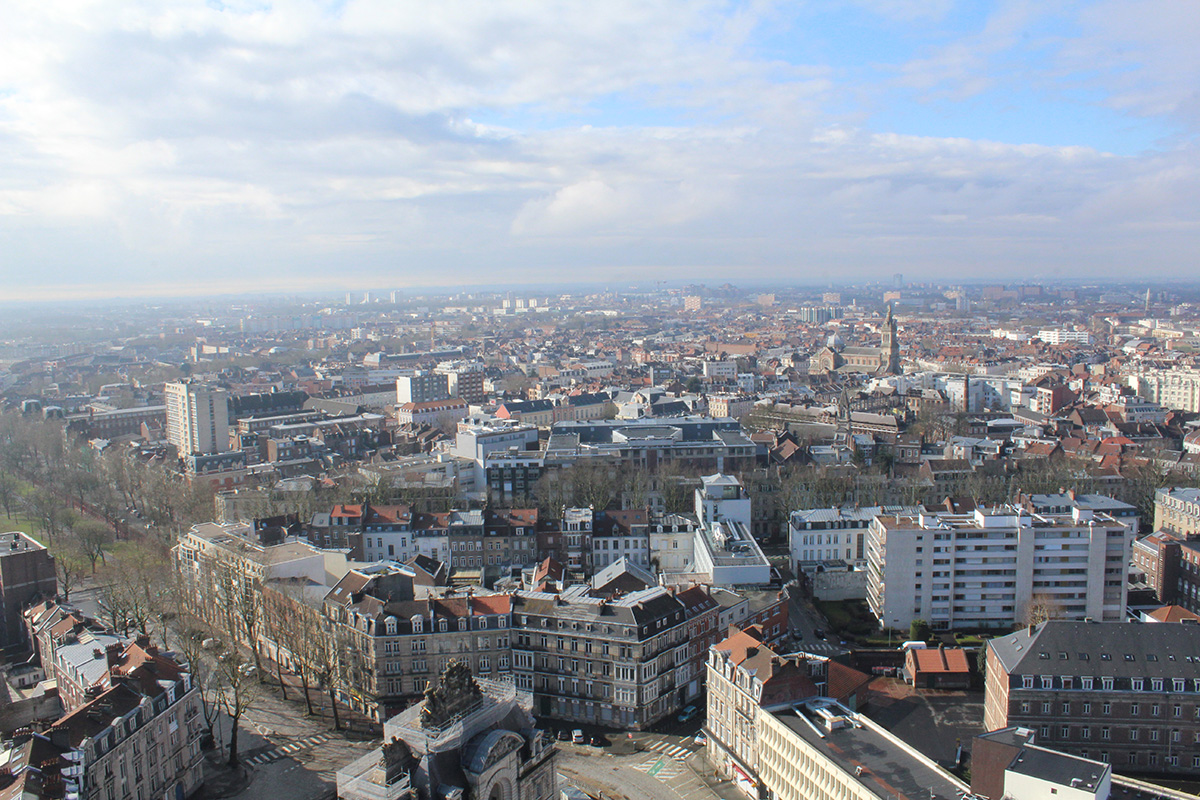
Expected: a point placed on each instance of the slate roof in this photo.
(1109, 649)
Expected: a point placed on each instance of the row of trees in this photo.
(247, 622)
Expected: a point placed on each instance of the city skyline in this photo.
(186, 149)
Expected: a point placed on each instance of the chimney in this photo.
(112, 654)
(143, 641)
(751, 652)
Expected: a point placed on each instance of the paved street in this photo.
(668, 767)
(285, 754)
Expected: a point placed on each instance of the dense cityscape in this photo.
(525, 400)
(663, 541)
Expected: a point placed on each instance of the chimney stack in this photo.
(112, 654)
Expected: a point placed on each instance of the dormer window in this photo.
(1156, 684)
(462, 623)
(1087, 684)
(1047, 681)
(1137, 684)
(443, 625)
(418, 623)
(390, 626)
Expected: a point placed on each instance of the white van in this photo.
(913, 646)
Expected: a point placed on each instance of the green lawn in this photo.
(22, 523)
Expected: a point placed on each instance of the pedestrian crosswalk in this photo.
(289, 749)
(670, 750)
(660, 767)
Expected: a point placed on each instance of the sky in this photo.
(174, 147)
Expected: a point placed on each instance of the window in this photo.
(1087, 708)
(1135, 709)
(1046, 707)
(1106, 709)
(1087, 684)
(1156, 684)
(1106, 684)
(1027, 681)
(1106, 733)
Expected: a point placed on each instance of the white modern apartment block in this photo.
(1052, 336)
(725, 551)
(987, 569)
(1173, 388)
(197, 417)
(422, 388)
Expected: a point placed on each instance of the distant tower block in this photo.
(1147, 299)
(898, 280)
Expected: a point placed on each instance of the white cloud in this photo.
(426, 142)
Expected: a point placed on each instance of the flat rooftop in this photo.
(890, 770)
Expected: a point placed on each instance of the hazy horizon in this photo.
(157, 149)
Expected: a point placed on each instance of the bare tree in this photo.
(48, 511)
(1041, 608)
(9, 492)
(70, 564)
(238, 690)
(325, 658)
(280, 625)
(93, 537)
(593, 484)
(114, 610)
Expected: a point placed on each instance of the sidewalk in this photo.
(351, 721)
(707, 774)
(221, 780)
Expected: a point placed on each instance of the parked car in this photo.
(598, 741)
(564, 736)
(577, 736)
(817, 632)
(689, 714)
(701, 739)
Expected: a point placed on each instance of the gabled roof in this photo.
(951, 660)
(1173, 614)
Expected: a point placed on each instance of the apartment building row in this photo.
(133, 720)
(628, 660)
